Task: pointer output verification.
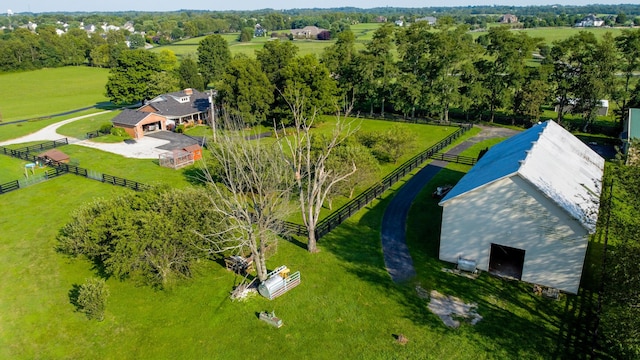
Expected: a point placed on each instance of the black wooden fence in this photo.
(344, 212)
(124, 182)
(10, 186)
(58, 169)
(25, 152)
(467, 160)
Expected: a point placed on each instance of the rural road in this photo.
(393, 234)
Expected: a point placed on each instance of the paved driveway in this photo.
(397, 259)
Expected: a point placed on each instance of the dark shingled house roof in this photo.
(130, 117)
(168, 104)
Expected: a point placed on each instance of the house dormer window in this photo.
(184, 99)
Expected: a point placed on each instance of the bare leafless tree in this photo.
(308, 160)
(250, 187)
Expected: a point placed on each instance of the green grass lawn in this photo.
(146, 171)
(79, 129)
(556, 329)
(551, 34)
(14, 169)
(41, 93)
(425, 136)
(189, 47)
(17, 129)
(346, 303)
(364, 34)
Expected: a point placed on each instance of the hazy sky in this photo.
(166, 5)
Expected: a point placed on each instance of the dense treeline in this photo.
(415, 71)
(23, 45)
(620, 314)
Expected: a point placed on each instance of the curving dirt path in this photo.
(397, 259)
(145, 148)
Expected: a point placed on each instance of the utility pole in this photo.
(213, 112)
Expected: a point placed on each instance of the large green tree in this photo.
(532, 95)
(377, 68)
(505, 69)
(213, 58)
(168, 60)
(306, 77)
(341, 59)
(620, 215)
(189, 76)
(583, 73)
(274, 58)
(129, 81)
(148, 236)
(163, 82)
(245, 91)
(432, 62)
(628, 44)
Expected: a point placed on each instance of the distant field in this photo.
(363, 32)
(45, 92)
(189, 47)
(560, 33)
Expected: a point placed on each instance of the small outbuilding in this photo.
(175, 159)
(195, 150)
(527, 208)
(54, 155)
(602, 107)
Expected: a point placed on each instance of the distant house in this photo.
(31, 26)
(258, 31)
(429, 19)
(590, 21)
(381, 19)
(106, 27)
(631, 132)
(508, 19)
(526, 209)
(307, 32)
(399, 23)
(88, 28)
(603, 107)
(129, 27)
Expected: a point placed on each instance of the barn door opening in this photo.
(506, 261)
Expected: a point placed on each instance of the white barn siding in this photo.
(513, 213)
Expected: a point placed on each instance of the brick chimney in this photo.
(188, 91)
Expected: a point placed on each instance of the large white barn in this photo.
(526, 209)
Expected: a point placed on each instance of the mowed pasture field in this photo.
(189, 47)
(364, 34)
(549, 35)
(45, 92)
(346, 303)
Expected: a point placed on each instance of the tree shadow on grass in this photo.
(73, 295)
(195, 176)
